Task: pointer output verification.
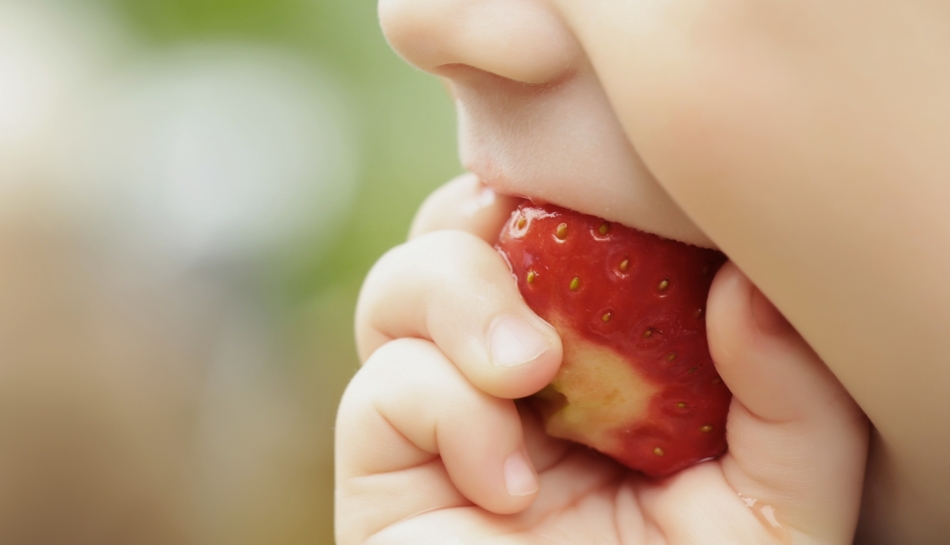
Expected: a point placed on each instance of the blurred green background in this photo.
(405, 121)
(201, 378)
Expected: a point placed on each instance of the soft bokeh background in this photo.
(191, 192)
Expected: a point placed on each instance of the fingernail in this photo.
(513, 341)
(520, 479)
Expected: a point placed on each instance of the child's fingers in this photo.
(464, 204)
(455, 289)
(797, 442)
(413, 436)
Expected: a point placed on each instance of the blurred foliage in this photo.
(405, 120)
(405, 133)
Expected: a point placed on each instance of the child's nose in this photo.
(522, 40)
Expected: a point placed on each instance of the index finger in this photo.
(464, 204)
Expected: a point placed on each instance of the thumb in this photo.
(797, 441)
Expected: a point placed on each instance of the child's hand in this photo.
(431, 449)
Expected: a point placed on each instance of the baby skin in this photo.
(804, 140)
(432, 449)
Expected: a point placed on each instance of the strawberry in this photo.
(637, 382)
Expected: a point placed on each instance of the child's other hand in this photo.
(432, 449)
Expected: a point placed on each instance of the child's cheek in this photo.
(698, 88)
(714, 94)
(717, 115)
(718, 98)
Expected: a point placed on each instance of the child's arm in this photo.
(431, 449)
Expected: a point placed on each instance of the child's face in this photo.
(612, 107)
(807, 138)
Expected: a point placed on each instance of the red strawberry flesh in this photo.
(637, 381)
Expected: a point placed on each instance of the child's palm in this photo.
(587, 499)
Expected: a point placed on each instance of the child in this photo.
(802, 139)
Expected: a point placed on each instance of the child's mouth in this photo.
(565, 146)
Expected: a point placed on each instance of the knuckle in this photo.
(392, 370)
(392, 361)
(432, 214)
(450, 242)
(419, 258)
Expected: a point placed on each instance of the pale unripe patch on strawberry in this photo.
(601, 391)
